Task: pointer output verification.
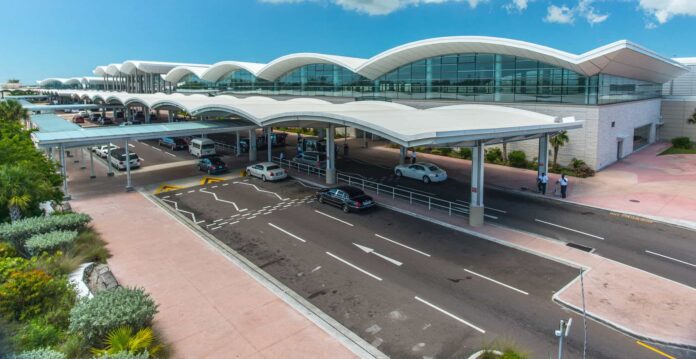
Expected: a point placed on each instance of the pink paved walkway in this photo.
(209, 308)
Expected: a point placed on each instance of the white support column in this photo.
(252, 145)
(109, 166)
(64, 173)
(129, 186)
(170, 116)
(476, 206)
(91, 165)
(146, 112)
(269, 145)
(322, 133)
(364, 139)
(402, 155)
(543, 157)
(330, 156)
(237, 149)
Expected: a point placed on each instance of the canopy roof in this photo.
(401, 124)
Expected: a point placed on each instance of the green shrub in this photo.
(29, 294)
(37, 334)
(50, 242)
(584, 171)
(494, 155)
(44, 353)
(125, 355)
(94, 318)
(681, 142)
(517, 159)
(19, 231)
(75, 346)
(123, 339)
(7, 250)
(465, 153)
(10, 265)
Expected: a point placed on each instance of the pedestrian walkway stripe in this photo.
(658, 351)
(569, 229)
(286, 232)
(449, 314)
(354, 266)
(403, 245)
(496, 282)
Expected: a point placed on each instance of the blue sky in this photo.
(70, 37)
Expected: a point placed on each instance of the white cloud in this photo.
(567, 15)
(380, 7)
(664, 10)
(519, 5)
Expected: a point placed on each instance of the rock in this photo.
(99, 277)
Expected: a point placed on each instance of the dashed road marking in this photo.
(173, 155)
(496, 282)
(222, 200)
(334, 218)
(569, 229)
(403, 245)
(235, 222)
(261, 190)
(354, 266)
(178, 194)
(191, 191)
(449, 314)
(214, 187)
(214, 228)
(286, 232)
(670, 258)
(176, 207)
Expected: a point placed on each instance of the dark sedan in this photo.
(212, 165)
(347, 197)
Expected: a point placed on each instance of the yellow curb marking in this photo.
(206, 180)
(658, 351)
(167, 188)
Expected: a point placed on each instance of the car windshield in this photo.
(208, 146)
(272, 167)
(433, 168)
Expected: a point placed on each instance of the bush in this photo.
(465, 153)
(494, 155)
(38, 334)
(576, 163)
(125, 355)
(18, 232)
(50, 242)
(29, 294)
(44, 353)
(681, 142)
(517, 159)
(123, 339)
(7, 250)
(94, 318)
(584, 171)
(11, 265)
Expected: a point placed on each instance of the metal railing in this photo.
(219, 146)
(380, 189)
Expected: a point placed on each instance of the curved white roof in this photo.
(620, 58)
(399, 123)
(176, 74)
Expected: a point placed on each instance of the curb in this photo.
(346, 337)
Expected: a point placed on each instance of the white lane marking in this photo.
(235, 222)
(489, 208)
(261, 190)
(222, 200)
(416, 190)
(246, 214)
(176, 207)
(191, 191)
(354, 266)
(214, 228)
(156, 149)
(214, 187)
(131, 145)
(403, 245)
(496, 282)
(449, 314)
(178, 194)
(251, 217)
(674, 259)
(165, 197)
(316, 269)
(369, 250)
(234, 215)
(173, 155)
(332, 217)
(223, 223)
(569, 229)
(218, 220)
(226, 184)
(286, 232)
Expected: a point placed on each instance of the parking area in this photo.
(411, 288)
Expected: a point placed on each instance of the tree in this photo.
(505, 154)
(692, 120)
(557, 142)
(18, 191)
(12, 111)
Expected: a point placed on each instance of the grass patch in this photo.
(678, 151)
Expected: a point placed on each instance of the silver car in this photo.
(267, 171)
(422, 171)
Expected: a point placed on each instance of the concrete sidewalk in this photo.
(636, 302)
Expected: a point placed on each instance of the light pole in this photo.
(561, 333)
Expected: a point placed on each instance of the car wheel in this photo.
(398, 173)
(426, 179)
(263, 178)
(320, 199)
(346, 209)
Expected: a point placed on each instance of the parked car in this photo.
(212, 165)
(267, 171)
(84, 114)
(118, 159)
(118, 114)
(139, 116)
(103, 150)
(201, 147)
(78, 119)
(316, 159)
(174, 143)
(346, 197)
(95, 116)
(422, 171)
(106, 121)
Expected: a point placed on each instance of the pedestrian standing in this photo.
(543, 181)
(564, 185)
(282, 157)
(413, 156)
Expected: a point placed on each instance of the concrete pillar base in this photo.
(475, 216)
(110, 174)
(331, 176)
(130, 189)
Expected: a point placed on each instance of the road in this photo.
(412, 288)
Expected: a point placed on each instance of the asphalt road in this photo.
(661, 249)
(414, 289)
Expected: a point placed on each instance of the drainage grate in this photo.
(580, 247)
(634, 200)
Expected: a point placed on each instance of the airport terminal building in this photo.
(626, 95)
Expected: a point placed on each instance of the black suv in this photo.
(347, 197)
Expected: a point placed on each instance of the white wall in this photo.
(674, 115)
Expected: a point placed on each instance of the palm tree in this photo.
(692, 120)
(557, 142)
(12, 111)
(122, 339)
(14, 191)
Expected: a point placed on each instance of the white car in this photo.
(422, 171)
(103, 151)
(267, 171)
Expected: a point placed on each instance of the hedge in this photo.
(44, 353)
(681, 142)
(94, 318)
(517, 159)
(125, 355)
(19, 231)
(50, 242)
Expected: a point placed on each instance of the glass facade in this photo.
(475, 77)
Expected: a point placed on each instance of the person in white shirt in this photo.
(564, 185)
(543, 181)
(413, 156)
